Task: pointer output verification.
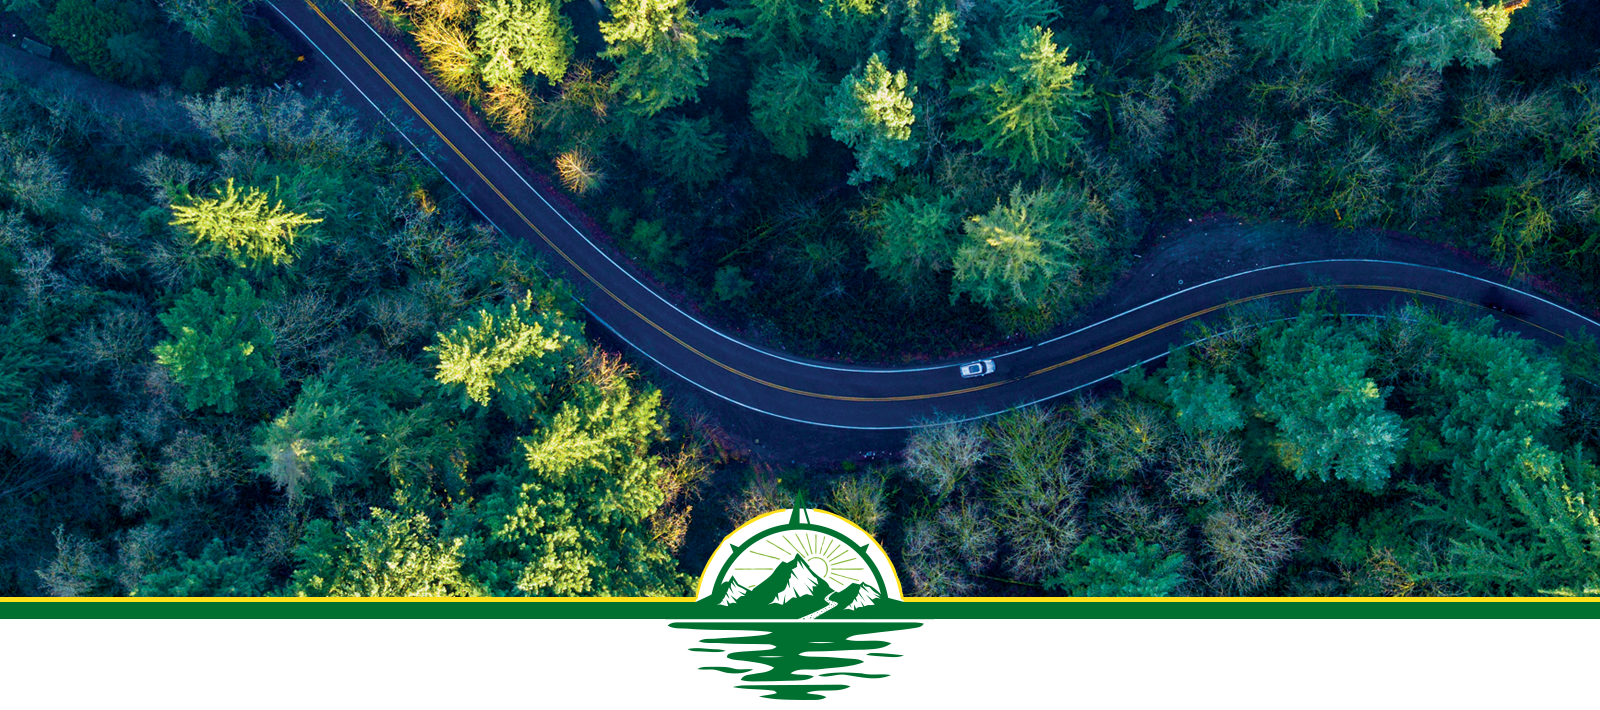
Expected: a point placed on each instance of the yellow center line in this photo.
(905, 398)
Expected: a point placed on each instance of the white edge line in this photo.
(976, 417)
(453, 109)
(451, 105)
(381, 114)
(481, 213)
(719, 395)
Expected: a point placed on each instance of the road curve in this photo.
(822, 394)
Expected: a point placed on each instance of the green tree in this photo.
(1028, 251)
(218, 346)
(1202, 402)
(1493, 403)
(871, 111)
(387, 555)
(1329, 415)
(773, 28)
(137, 58)
(936, 30)
(573, 519)
(1005, 15)
(1103, 569)
(1025, 103)
(1485, 386)
(1533, 529)
(690, 152)
(312, 446)
(661, 49)
(660, 246)
(1521, 513)
(844, 31)
(512, 353)
(730, 284)
(917, 237)
(520, 36)
(218, 24)
(242, 225)
(786, 104)
(1435, 33)
(83, 27)
(1311, 32)
(215, 573)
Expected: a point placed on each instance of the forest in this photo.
(1412, 453)
(272, 354)
(890, 180)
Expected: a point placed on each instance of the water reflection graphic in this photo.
(796, 653)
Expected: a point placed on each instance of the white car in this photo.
(977, 369)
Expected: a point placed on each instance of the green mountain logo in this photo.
(795, 590)
(812, 588)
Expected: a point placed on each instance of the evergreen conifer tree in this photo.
(871, 111)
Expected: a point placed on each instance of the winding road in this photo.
(818, 394)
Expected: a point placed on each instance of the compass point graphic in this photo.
(800, 564)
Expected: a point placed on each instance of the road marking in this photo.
(495, 188)
(558, 250)
(820, 366)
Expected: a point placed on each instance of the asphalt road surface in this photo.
(843, 398)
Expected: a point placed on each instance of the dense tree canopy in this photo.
(217, 24)
(1330, 415)
(253, 350)
(386, 555)
(691, 152)
(1312, 32)
(367, 418)
(215, 573)
(314, 444)
(84, 28)
(776, 27)
(1436, 33)
(1141, 571)
(572, 518)
(1464, 478)
(192, 45)
(1203, 402)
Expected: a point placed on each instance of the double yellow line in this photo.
(757, 380)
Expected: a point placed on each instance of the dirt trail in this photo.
(159, 110)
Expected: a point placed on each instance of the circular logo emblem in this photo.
(799, 563)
